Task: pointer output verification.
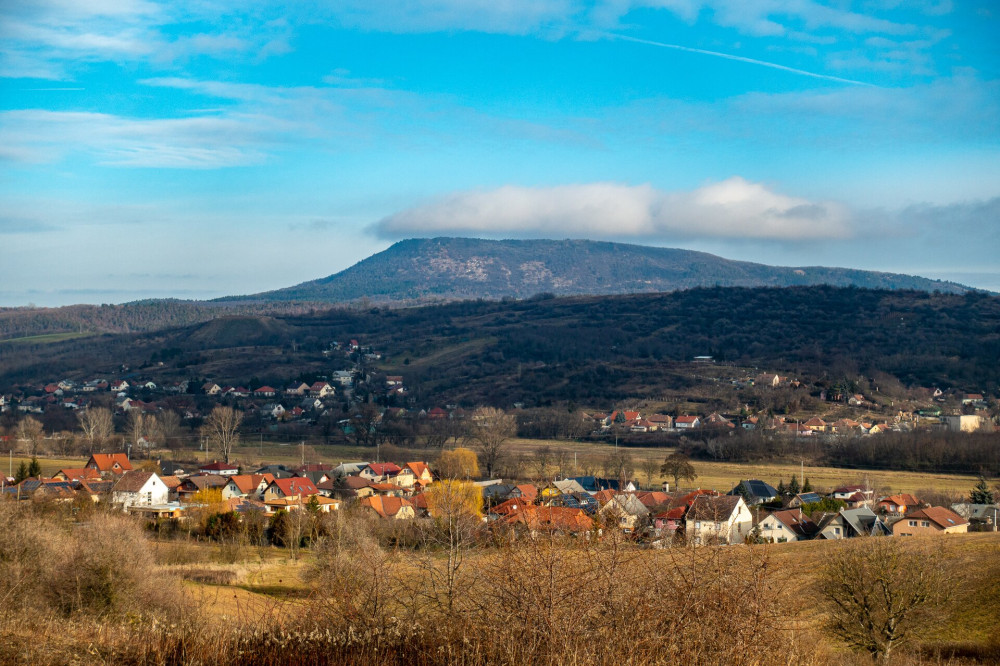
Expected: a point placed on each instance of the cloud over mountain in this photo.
(733, 208)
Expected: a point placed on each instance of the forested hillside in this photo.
(139, 316)
(583, 349)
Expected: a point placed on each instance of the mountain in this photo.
(445, 269)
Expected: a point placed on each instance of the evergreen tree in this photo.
(22, 473)
(35, 468)
(781, 488)
(981, 494)
(793, 486)
(807, 487)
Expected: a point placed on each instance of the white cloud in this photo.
(733, 208)
(200, 142)
(491, 16)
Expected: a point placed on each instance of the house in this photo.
(194, 484)
(396, 508)
(981, 517)
(348, 469)
(220, 468)
(265, 392)
(816, 424)
(725, 519)
(551, 519)
(755, 491)
(804, 498)
(584, 501)
(297, 388)
(210, 388)
(626, 511)
(414, 473)
(898, 504)
(342, 377)
(851, 523)
(973, 399)
(277, 471)
(119, 386)
(963, 422)
(321, 390)
(172, 483)
(110, 463)
(246, 485)
(136, 488)
(687, 422)
(393, 380)
(669, 521)
(847, 493)
(593, 484)
(82, 474)
(856, 400)
(786, 525)
(348, 487)
(295, 487)
(932, 520)
(380, 471)
(661, 421)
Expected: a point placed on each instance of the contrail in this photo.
(729, 56)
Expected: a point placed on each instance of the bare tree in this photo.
(222, 430)
(649, 468)
(619, 466)
(878, 589)
(135, 426)
(97, 425)
(540, 462)
(678, 466)
(169, 423)
(456, 508)
(29, 431)
(491, 427)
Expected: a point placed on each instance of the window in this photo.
(925, 523)
(836, 530)
(697, 524)
(913, 523)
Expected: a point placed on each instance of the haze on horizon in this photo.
(195, 150)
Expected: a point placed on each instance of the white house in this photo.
(725, 519)
(784, 526)
(139, 489)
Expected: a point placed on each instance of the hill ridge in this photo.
(419, 270)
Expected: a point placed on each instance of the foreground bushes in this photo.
(102, 568)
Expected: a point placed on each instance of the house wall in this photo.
(154, 491)
(775, 530)
(922, 527)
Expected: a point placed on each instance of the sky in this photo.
(209, 148)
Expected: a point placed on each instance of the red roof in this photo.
(105, 462)
(939, 515)
(80, 474)
(385, 506)
(217, 466)
(686, 419)
(296, 485)
(552, 518)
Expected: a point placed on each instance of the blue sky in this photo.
(198, 149)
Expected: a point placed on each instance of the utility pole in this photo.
(302, 448)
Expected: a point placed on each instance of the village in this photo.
(330, 407)
(753, 511)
